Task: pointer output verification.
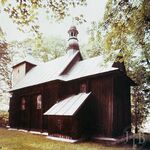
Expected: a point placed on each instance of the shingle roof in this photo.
(68, 106)
(52, 70)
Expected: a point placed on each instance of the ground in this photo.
(15, 140)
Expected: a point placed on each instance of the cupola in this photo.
(73, 45)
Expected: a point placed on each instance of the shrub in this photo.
(3, 118)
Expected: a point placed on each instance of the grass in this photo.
(15, 140)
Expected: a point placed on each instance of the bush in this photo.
(3, 118)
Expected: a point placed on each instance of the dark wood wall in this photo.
(61, 125)
(29, 67)
(102, 90)
(110, 104)
(77, 126)
(67, 89)
(122, 106)
(86, 118)
(13, 112)
(32, 118)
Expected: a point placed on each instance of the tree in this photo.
(47, 49)
(25, 13)
(94, 45)
(3, 44)
(43, 49)
(5, 59)
(5, 70)
(126, 26)
(140, 94)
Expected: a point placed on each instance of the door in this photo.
(36, 112)
(24, 113)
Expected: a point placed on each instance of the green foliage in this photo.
(25, 13)
(43, 49)
(47, 49)
(94, 45)
(5, 60)
(127, 24)
(3, 44)
(5, 69)
(3, 118)
(140, 95)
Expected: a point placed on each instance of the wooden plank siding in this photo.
(50, 97)
(62, 126)
(31, 118)
(67, 89)
(29, 66)
(73, 127)
(13, 112)
(122, 111)
(108, 115)
(102, 89)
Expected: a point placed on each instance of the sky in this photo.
(92, 12)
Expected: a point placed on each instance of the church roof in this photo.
(88, 67)
(45, 72)
(28, 59)
(68, 106)
(52, 70)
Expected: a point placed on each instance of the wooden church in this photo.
(70, 97)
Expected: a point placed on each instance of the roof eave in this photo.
(22, 63)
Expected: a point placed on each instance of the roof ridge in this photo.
(71, 61)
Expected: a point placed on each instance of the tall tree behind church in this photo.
(5, 59)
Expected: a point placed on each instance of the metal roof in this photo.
(28, 59)
(45, 72)
(52, 70)
(88, 67)
(68, 106)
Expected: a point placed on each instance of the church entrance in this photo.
(36, 112)
(24, 113)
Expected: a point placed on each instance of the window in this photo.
(23, 104)
(39, 102)
(71, 33)
(83, 87)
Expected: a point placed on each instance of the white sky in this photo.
(93, 12)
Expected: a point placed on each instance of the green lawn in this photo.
(15, 140)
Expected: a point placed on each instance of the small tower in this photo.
(22, 68)
(73, 45)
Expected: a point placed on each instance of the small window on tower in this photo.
(71, 33)
(23, 104)
(39, 102)
(83, 87)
